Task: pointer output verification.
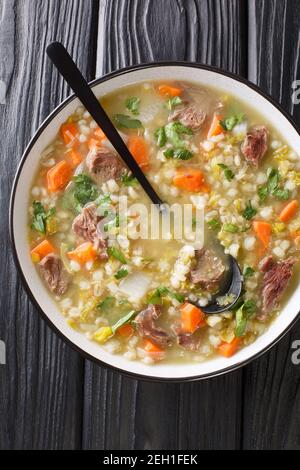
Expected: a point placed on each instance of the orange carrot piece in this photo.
(83, 253)
(68, 132)
(263, 231)
(73, 158)
(215, 127)
(192, 318)
(126, 330)
(190, 179)
(168, 90)
(289, 211)
(228, 349)
(94, 143)
(99, 134)
(139, 149)
(151, 347)
(41, 250)
(58, 176)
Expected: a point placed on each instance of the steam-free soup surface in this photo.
(135, 296)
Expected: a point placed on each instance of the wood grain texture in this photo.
(41, 385)
(271, 384)
(121, 413)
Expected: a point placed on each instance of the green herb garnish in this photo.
(124, 121)
(178, 154)
(128, 179)
(231, 121)
(232, 228)
(40, 217)
(214, 224)
(162, 291)
(123, 321)
(243, 314)
(229, 175)
(115, 253)
(160, 136)
(107, 303)
(248, 271)
(262, 193)
(121, 273)
(249, 211)
(174, 131)
(132, 104)
(272, 188)
(172, 102)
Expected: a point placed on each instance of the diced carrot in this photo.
(126, 330)
(83, 253)
(99, 134)
(68, 132)
(168, 90)
(151, 347)
(192, 318)
(228, 349)
(73, 158)
(93, 143)
(215, 127)
(139, 150)
(58, 176)
(263, 231)
(190, 179)
(289, 211)
(41, 250)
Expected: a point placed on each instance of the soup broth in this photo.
(198, 147)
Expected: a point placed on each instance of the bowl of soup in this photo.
(213, 146)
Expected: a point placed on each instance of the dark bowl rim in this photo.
(27, 150)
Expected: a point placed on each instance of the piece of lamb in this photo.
(189, 116)
(275, 281)
(54, 274)
(104, 164)
(207, 270)
(255, 145)
(85, 227)
(190, 342)
(145, 322)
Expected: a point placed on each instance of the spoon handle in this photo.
(68, 69)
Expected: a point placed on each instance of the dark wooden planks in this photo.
(271, 384)
(41, 385)
(120, 412)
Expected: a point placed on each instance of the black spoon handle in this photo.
(68, 69)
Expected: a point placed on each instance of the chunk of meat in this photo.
(85, 227)
(276, 278)
(54, 274)
(145, 322)
(266, 263)
(207, 270)
(255, 145)
(189, 116)
(104, 164)
(190, 342)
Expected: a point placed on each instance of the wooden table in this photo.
(50, 397)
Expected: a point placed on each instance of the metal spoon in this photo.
(68, 69)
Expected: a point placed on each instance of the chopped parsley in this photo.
(249, 212)
(128, 179)
(132, 104)
(160, 136)
(248, 271)
(214, 224)
(40, 217)
(243, 314)
(174, 131)
(172, 102)
(231, 121)
(229, 175)
(232, 228)
(116, 253)
(272, 187)
(121, 273)
(162, 291)
(122, 120)
(178, 154)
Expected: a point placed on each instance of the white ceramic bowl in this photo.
(201, 75)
